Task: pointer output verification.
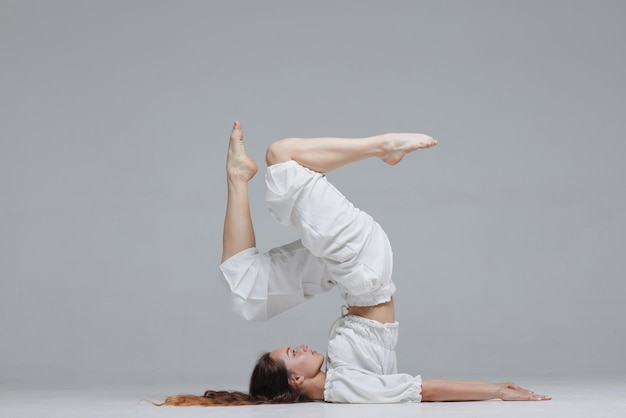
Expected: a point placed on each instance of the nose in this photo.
(304, 347)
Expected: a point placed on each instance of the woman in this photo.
(339, 246)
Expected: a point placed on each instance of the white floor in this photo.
(588, 399)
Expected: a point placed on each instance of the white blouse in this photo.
(361, 364)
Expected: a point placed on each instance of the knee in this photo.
(278, 152)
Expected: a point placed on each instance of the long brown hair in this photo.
(269, 384)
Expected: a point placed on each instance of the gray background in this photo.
(509, 236)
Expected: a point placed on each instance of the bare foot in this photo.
(238, 165)
(401, 144)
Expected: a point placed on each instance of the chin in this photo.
(321, 358)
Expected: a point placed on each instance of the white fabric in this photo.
(295, 273)
(354, 248)
(361, 364)
(340, 245)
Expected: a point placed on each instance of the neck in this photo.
(315, 387)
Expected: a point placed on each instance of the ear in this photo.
(295, 380)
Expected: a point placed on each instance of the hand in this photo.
(509, 391)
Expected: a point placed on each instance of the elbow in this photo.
(432, 391)
(428, 394)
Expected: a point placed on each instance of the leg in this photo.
(238, 228)
(326, 154)
(355, 249)
(262, 285)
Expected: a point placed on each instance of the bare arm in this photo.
(437, 390)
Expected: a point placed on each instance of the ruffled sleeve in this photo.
(347, 385)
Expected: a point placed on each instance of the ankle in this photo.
(236, 180)
(386, 144)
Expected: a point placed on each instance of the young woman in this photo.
(340, 246)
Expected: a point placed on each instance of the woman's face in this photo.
(300, 360)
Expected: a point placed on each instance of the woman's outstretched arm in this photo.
(440, 390)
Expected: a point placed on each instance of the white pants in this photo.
(340, 245)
